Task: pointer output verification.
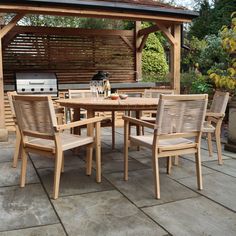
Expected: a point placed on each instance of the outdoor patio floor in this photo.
(115, 207)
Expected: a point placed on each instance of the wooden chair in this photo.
(106, 121)
(59, 115)
(18, 137)
(180, 118)
(150, 116)
(40, 133)
(214, 119)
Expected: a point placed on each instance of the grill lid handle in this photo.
(36, 82)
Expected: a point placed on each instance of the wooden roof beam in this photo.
(69, 11)
(10, 25)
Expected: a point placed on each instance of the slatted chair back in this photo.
(35, 116)
(181, 114)
(155, 93)
(79, 93)
(10, 95)
(219, 102)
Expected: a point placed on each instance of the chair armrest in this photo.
(139, 122)
(214, 114)
(78, 123)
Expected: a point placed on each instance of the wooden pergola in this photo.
(166, 19)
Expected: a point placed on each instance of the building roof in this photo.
(139, 6)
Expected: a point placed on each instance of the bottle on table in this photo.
(107, 88)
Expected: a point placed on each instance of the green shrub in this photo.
(153, 59)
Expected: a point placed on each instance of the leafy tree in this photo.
(190, 58)
(226, 77)
(201, 25)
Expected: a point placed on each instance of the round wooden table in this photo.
(93, 105)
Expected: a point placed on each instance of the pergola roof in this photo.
(149, 7)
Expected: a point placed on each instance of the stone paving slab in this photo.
(205, 156)
(25, 207)
(6, 154)
(139, 189)
(71, 159)
(11, 176)
(195, 216)
(104, 214)
(228, 167)
(48, 230)
(73, 181)
(218, 187)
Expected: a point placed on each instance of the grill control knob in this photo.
(42, 89)
(51, 89)
(32, 89)
(23, 90)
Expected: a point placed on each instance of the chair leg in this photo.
(176, 161)
(156, 173)
(89, 160)
(113, 125)
(23, 167)
(218, 145)
(126, 149)
(57, 174)
(63, 164)
(209, 142)
(198, 169)
(169, 165)
(17, 149)
(98, 163)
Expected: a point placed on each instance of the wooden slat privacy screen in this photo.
(75, 59)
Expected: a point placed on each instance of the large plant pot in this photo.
(231, 142)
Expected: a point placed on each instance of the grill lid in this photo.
(37, 83)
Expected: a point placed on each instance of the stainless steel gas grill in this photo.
(37, 83)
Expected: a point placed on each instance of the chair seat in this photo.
(69, 141)
(164, 145)
(208, 127)
(148, 119)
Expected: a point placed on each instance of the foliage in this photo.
(195, 83)
(190, 58)
(212, 54)
(153, 58)
(211, 19)
(201, 25)
(226, 77)
(201, 85)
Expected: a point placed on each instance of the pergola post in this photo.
(3, 32)
(175, 59)
(138, 53)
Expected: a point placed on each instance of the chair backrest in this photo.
(79, 93)
(35, 116)
(155, 93)
(10, 95)
(181, 113)
(219, 102)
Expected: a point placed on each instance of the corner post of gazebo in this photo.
(3, 32)
(138, 53)
(173, 35)
(176, 58)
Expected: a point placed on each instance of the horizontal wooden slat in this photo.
(74, 58)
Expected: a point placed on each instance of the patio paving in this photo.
(116, 207)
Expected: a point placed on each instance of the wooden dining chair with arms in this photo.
(214, 119)
(150, 116)
(79, 93)
(180, 118)
(40, 133)
(59, 115)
